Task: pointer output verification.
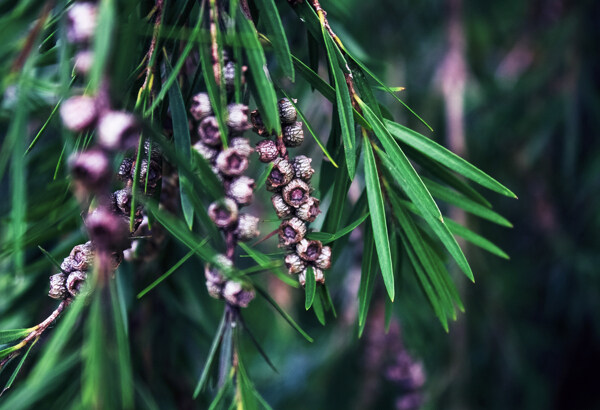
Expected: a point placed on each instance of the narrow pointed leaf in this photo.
(475, 239)
(367, 279)
(325, 237)
(272, 21)
(15, 372)
(7, 336)
(211, 356)
(310, 288)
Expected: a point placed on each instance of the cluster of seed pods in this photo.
(229, 164)
(289, 180)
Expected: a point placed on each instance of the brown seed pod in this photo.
(258, 126)
(118, 130)
(302, 168)
(223, 213)
(318, 273)
(293, 135)
(237, 117)
(232, 162)
(294, 264)
(75, 282)
(91, 168)
(200, 107)
(324, 259)
(309, 210)
(309, 250)
(81, 22)
(154, 176)
(267, 150)
(296, 193)
(242, 145)
(214, 289)
(281, 208)
(124, 173)
(208, 153)
(291, 231)
(281, 174)
(238, 294)
(79, 113)
(247, 227)
(122, 201)
(208, 132)
(213, 274)
(82, 256)
(287, 111)
(241, 189)
(58, 288)
(229, 75)
(107, 230)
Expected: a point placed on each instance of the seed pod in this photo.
(58, 289)
(309, 210)
(267, 150)
(247, 227)
(242, 145)
(241, 189)
(237, 117)
(75, 282)
(84, 60)
(324, 259)
(91, 168)
(208, 131)
(154, 176)
(118, 130)
(281, 174)
(124, 172)
(213, 274)
(79, 113)
(223, 213)
(214, 290)
(309, 250)
(229, 75)
(293, 135)
(67, 265)
(296, 193)
(287, 111)
(318, 273)
(208, 153)
(294, 263)
(281, 208)
(302, 168)
(291, 231)
(238, 294)
(218, 174)
(107, 230)
(82, 256)
(200, 107)
(81, 22)
(122, 201)
(258, 126)
(231, 162)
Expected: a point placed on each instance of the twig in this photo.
(214, 49)
(152, 48)
(33, 34)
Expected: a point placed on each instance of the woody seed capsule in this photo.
(309, 210)
(200, 107)
(58, 289)
(302, 167)
(237, 117)
(213, 274)
(309, 250)
(223, 213)
(91, 168)
(81, 22)
(82, 256)
(154, 173)
(208, 153)
(241, 190)
(238, 294)
(293, 135)
(118, 130)
(232, 162)
(287, 112)
(318, 273)
(79, 113)
(281, 174)
(258, 125)
(291, 231)
(267, 150)
(208, 131)
(296, 193)
(124, 172)
(122, 201)
(214, 289)
(242, 145)
(281, 208)
(75, 282)
(247, 227)
(324, 259)
(107, 230)
(294, 264)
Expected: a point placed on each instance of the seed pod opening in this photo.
(200, 107)
(118, 130)
(238, 294)
(208, 153)
(291, 231)
(309, 250)
(107, 230)
(267, 150)
(294, 263)
(75, 282)
(296, 193)
(258, 126)
(223, 213)
(302, 168)
(208, 132)
(242, 145)
(232, 162)
(79, 113)
(82, 256)
(293, 134)
(309, 210)
(324, 259)
(247, 228)
(58, 288)
(281, 174)
(237, 117)
(91, 168)
(241, 189)
(287, 111)
(281, 208)
(81, 22)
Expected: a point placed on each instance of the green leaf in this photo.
(283, 313)
(378, 221)
(317, 306)
(182, 140)
(257, 345)
(262, 178)
(310, 288)
(102, 41)
(369, 269)
(343, 103)
(123, 357)
(265, 262)
(7, 336)
(51, 258)
(445, 157)
(478, 240)
(325, 237)
(274, 28)
(263, 90)
(18, 368)
(211, 356)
